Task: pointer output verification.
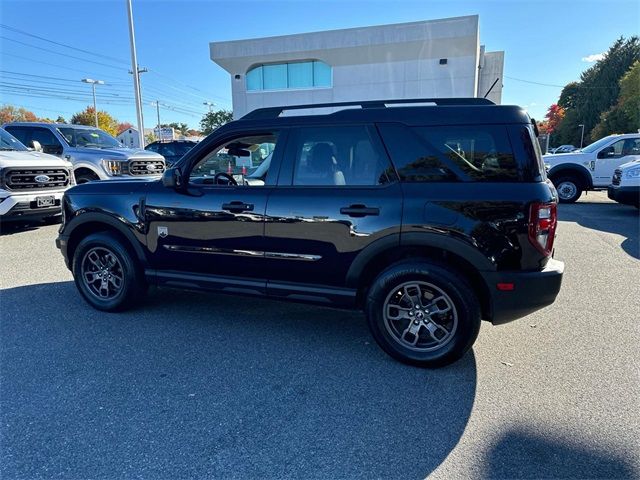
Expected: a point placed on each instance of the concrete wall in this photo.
(370, 63)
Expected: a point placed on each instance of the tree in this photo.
(123, 126)
(624, 116)
(596, 92)
(9, 113)
(212, 120)
(554, 116)
(60, 119)
(105, 121)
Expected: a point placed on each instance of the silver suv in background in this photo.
(95, 154)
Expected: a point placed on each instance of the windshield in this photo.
(596, 145)
(9, 142)
(88, 137)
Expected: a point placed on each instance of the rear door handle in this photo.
(237, 207)
(359, 211)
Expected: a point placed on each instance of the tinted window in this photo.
(153, 147)
(44, 136)
(337, 156)
(466, 153)
(19, 132)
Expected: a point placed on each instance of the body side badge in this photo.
(163, 232)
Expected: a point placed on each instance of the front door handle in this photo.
(237, 207)
(359, 211)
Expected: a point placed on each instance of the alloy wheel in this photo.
(420, 316)
(102, 273)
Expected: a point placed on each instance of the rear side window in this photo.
(476, 153)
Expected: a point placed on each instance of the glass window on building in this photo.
(311, 74)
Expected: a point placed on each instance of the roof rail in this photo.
(274, 112)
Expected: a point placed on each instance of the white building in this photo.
(129, 138)
(426, 59)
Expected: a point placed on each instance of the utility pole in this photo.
(136, 75)
(93, 87)
(209, 104)
(581, 135)
(157, 105)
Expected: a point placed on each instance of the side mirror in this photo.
(172, 178)
(36, 146)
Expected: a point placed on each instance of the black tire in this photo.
(85, 177)
(458, 291)
(569, 188)
(133, 285)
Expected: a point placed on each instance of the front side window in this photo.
(246, 159)
(337, 156)
(9, 142)
(281, 76)
(622, 148)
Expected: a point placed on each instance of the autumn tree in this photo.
(9, 113)
(60, 119)
(212, 120)
(124, 126)
(105, 121)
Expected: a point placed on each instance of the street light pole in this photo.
(136, 75)
(93, 88)
(581, 135)
(209, 104)
(158, 112)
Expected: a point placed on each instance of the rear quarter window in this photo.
(473, 153)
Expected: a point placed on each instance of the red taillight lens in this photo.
(543, 219)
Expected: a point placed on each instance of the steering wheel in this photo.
(229, 178)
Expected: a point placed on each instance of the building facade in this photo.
(426, 59)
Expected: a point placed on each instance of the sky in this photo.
(547, 44)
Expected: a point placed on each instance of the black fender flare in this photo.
(120, 226)
(575, 168)
(418, 239)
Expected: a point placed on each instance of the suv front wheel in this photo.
(423, 313)
(106, 274)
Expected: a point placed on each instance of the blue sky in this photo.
(545, 42)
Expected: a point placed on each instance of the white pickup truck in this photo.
(625, 184)
(592, 167)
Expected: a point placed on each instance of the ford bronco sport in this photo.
(429, 218)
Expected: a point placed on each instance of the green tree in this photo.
(60, 119)
(624, 116)
(105, 121)
(212, 120)
(596, 92)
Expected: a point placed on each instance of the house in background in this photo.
(426, 59)
(129, 138)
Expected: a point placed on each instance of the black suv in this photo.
(430, 218)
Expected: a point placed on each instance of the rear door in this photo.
(337, 194)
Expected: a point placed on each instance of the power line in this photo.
(58, 53)
(84, 72)
(557, 86)
(107, 57)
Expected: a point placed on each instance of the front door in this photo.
(336, 194)
(612, 156)
(216, 227)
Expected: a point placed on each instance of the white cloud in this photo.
(594, 57)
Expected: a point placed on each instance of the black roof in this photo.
(444, 111)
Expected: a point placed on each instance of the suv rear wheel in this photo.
(423, 314)
(569, 189)
(106, 274)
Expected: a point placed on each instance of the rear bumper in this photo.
(531, 291)
(624, 195)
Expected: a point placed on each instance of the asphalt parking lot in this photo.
(204, 385)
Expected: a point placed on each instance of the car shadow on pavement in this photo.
(607, 217)
(525, 454)
(9, 228)
(206, 385)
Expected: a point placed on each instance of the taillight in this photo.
(543, 219)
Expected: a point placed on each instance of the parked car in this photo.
(625, 184)
(31, 183)
(592, 167)
(171, 151)
(95, 154)
(563, 149)
(429, 218)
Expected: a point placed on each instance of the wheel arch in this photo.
(421, 246)
(94, 222)
(572, 169)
